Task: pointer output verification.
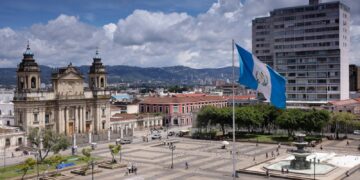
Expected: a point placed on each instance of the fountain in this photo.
(300, 154)
(300, 161)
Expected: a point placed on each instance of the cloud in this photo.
(146, 38)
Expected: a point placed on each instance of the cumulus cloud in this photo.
(146, 38)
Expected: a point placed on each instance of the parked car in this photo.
(123, 141)
(156, 136)
(357, 132)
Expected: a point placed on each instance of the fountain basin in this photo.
(320, 169)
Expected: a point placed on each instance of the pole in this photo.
(92, 169)
(4, 155)
(233, 109)
(37, 165)
(314, 166)
(172, 158)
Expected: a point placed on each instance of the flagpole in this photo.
(233, 110)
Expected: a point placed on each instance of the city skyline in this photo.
(156, 34)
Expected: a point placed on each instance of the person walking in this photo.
(186, 165)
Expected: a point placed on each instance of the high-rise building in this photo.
(308, 45)
(354, 75)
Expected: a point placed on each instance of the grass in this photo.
(270, 138)
(14, 170)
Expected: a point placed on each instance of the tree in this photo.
(222, 117)
(54, 160)
(114, 150)
(206, 115)
(315, 120)
(248, 117)
(28, 164)
(269, 113)
(290, 120)
(342, 119)
(51, 142)
(87, 158)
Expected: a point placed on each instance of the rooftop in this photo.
(182, 99)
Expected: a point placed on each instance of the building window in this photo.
(167, 109)
(102, 82)
(160, 109)
(36, 120)
(7, 142)
(103, 125)
(33, 82)
(19, 142)
(47, 118)
(175, 109)
(103, 112)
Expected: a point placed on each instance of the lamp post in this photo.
(92, 169)
(120, 154)
(314, 166)
(36, 154)
(172, 148)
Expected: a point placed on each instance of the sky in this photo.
(145, 33)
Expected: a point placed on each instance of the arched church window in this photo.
(102, 82)
(33, 82)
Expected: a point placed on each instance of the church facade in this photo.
(67, 107)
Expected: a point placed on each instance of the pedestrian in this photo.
(266, 155)
(347, 143)
(254, 158)
(287, 171)
(321, 148)
(12, 155)
(186, 165)
(272, 153)
(282, 170)
(135, 170)
(278, 153)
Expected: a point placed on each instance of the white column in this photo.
(121, 132)
(90, 137)
(126, 130)
(109, 135)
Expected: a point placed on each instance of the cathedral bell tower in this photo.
(97, 74)
(28, 73)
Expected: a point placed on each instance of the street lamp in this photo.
(92, 169)
(120, 154)
(172, 148)
(36, 154)
(314, 166)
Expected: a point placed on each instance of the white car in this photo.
(357, 132)
(156, 136)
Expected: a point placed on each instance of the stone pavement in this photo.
(205, 158)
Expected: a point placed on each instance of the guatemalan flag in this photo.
(259, 76)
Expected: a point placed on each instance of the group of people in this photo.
(131, 169)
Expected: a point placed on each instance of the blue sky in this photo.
(23, 13)
(146, 33)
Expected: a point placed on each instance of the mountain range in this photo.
(132, 74)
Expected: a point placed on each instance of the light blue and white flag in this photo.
(259, 76)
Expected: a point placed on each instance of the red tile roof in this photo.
(125, 116)
(177, 100)
(345, 102)
(244, 97)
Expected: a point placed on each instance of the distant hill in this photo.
(120, 73)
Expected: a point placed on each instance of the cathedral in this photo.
(67, 107)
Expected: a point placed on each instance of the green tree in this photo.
(269, 114)
(114, 150)
(206, 115)
(26, 166)
(51, 142)
(315, 120)
(248, 117)
(222, 117)
(343, 119)
(54, 160)
(290, 120)
(87, 158)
